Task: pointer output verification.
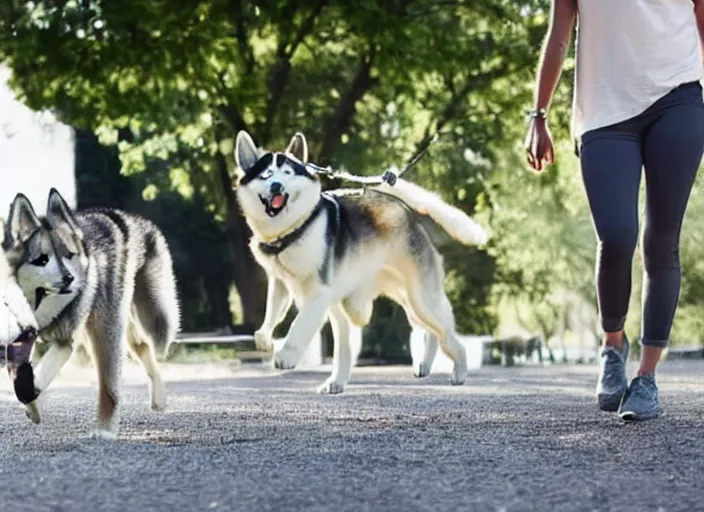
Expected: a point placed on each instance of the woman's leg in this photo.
(611, 162)
(611, 170)
(672, 154)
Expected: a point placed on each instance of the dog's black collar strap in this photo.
(265, 161)
(281, 244)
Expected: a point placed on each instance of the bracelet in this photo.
(540, 113)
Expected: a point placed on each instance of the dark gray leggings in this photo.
(667, 140)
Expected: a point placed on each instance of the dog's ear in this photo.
(246, 152)
(5, 238)
(57, 211)
(298, 147)
(22, 221)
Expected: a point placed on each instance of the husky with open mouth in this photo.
(334, 253)
(101, 275)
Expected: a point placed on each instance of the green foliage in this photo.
(167, 85)
(202, 263)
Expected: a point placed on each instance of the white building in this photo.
(36, 153)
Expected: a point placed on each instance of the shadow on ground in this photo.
(254, 439)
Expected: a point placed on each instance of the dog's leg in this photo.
(143, 350)
(48, 368)
(346, 337)
(434, 312)
(278, 301)
(309, 319)
(51, 364)
(423, 364)
(108, 342)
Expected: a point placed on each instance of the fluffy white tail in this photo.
(453, 220)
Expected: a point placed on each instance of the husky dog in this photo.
(101, 275)
(335, 253)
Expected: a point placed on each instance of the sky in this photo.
(36, 153)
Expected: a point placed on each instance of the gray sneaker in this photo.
(612, 383)
(641, 401)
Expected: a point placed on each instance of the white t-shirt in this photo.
(630, 53)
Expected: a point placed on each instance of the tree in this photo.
(370, 83)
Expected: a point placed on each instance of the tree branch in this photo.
(305, 29)
(451, 110)
(232, 117)
(278, 79)
(340, 121)
(242, 35)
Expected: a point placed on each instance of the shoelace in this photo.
(640, 389)
(612, 356)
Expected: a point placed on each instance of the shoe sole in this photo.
(632, 416)
(609, 403)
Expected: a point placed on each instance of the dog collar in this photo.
(281, 244)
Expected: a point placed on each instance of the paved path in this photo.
(252, 439)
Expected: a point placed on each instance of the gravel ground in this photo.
(249, 438)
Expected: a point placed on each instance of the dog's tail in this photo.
(453, 220)
(156, 297)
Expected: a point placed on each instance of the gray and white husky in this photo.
(335, 253)
(99, 275)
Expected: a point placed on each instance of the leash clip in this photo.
(389, 177)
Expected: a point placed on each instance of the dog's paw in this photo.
(24, 383)
(421, 370)
(103, 433)
(158, 401)
(286, 358)
(263, 341)
(331, 387)
(458, 376)
(33, 413)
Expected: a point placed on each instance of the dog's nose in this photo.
(275, 188)
(67, 279)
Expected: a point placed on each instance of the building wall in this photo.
(36, 153)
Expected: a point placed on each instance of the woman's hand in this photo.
(563, 16)
(538, 144)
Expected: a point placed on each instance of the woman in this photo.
(637, 108)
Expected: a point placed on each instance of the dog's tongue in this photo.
(277, 201)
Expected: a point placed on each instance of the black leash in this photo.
(389, 177)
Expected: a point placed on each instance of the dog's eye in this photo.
(70, 255)
(266, 174)
(288, 172)
(40, 261)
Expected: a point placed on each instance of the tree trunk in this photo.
(218, 294)
(250, 278)
(339, 122)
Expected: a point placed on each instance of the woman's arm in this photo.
(563, 16)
